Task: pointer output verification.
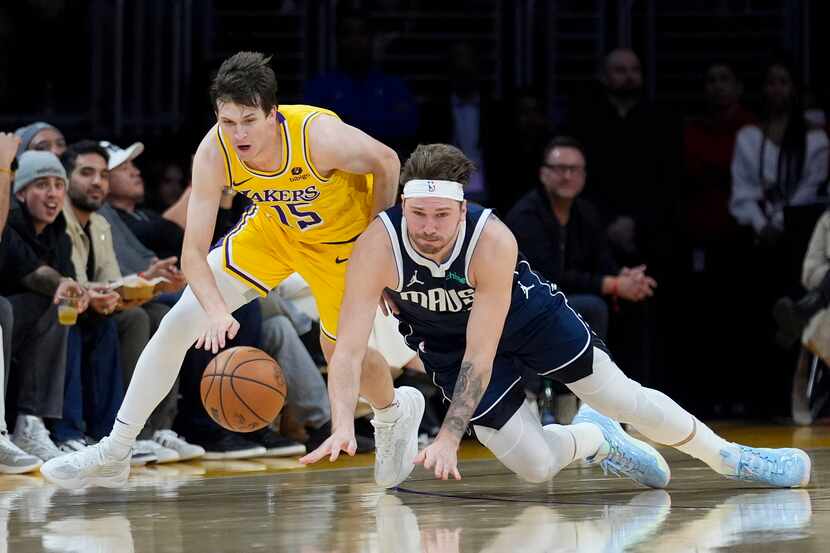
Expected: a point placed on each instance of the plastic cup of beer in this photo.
(68, 310)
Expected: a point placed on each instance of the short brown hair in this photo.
(245, 79)
(438, 162)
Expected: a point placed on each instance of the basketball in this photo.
(243, 389)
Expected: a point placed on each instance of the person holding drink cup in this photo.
(34, 279)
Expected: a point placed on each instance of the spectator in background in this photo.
(778, 164)
(39, 342)
(361, 93)
(709, 253)
(93, 255)
(41, 136)
(13, 460)
(634, 150)
(810, 312)
(709, 143)
(464, 117)
(162, 234)
(168, 183)
(158, 233)
(562, 237)
(779, 174)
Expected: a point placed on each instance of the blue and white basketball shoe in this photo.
(783, 468)
(623, 455)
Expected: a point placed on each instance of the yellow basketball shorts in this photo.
(260, 253)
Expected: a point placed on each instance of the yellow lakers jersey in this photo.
(311, 208)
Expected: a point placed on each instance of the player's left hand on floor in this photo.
(442, 456)
(342, 441)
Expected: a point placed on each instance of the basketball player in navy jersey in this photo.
(476, 312)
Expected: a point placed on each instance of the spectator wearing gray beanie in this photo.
(33, 165)
(41, 136)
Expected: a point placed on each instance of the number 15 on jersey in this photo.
(298, 213)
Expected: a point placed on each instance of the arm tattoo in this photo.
(43, 280)
(468, 391)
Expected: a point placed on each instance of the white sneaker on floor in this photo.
(171, 440)
(396, 443)
(14, 460)
(70, 446)
(31, 436)
(163, 454)
(88, 467)
(142, 454)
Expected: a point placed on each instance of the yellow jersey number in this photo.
(303, 218)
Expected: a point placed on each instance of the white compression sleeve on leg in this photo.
(161, 360)
(653, 413)
(533, 453)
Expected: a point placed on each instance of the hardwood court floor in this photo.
(276, 505)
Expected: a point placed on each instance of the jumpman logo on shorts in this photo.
(526, 289)
(414, 279)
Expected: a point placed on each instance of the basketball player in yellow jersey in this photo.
(315, 183)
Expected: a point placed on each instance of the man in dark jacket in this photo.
(562, 237)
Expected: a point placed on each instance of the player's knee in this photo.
(536, 475)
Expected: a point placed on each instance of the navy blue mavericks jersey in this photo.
(435, 300)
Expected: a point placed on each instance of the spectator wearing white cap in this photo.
(157, 234)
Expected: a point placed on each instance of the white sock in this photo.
(390, 413)
(122, 438)
(707, 446)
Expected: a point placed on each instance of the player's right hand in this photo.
(340, 440)
(219, 327)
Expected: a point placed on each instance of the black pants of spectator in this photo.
(39, 356)
(193, 422)
(7, 324)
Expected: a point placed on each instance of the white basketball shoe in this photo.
(396, 443)
(90, 466)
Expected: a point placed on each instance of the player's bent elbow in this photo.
(389, 158)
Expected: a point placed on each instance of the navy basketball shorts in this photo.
(557, 345)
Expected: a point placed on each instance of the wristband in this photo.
(6, 170)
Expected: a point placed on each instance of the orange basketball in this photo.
(243, 389)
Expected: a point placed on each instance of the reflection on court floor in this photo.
(277, 505)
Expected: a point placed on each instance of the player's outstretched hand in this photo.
(340, 440)
(442, 455)
(219, 327)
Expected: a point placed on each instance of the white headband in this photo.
(427, 188)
